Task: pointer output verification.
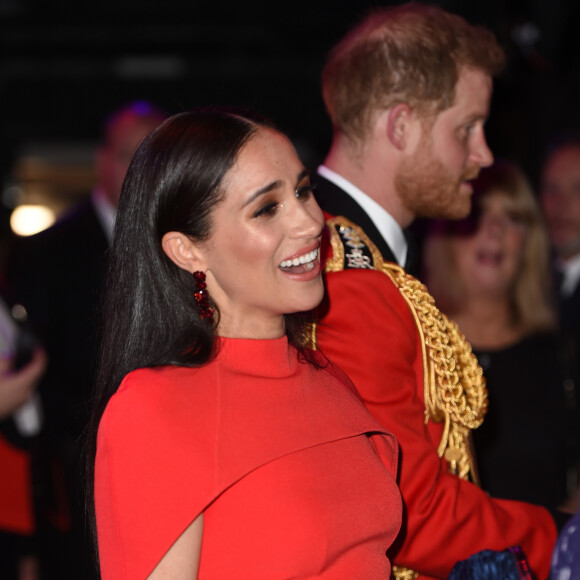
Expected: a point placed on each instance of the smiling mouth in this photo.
(489, 257)
(301, 264)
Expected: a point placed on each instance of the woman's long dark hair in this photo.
(149, 316)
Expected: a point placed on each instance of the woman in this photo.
(489, 273)
(226, 448)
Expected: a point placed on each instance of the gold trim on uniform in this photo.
(401, 573)
(454, 386)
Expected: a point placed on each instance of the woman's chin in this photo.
(312, 301)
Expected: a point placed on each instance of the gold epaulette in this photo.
(454, 386)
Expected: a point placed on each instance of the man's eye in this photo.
(266, 210)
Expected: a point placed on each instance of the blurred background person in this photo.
(16, 387)
(20, 425)
(57, 275)
(490, 274)
(18, 526)
(560, 196)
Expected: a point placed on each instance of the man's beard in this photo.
(428, 189)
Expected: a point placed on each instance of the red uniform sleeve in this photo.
(368, 330)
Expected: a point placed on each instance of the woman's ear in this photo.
(183, 252)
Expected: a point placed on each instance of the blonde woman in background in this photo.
(490, 274)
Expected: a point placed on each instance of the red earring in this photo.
(202, 297)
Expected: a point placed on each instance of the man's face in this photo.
(433, 180)
(561, 200)
(114, 156)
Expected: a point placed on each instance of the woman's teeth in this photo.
(304, 259)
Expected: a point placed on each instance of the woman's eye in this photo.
(305, 191)
(516, 218)
(266, 210)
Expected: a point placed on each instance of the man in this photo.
(57, 275)
(408, 94)
(560, 196)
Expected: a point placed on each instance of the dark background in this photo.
(64, 65)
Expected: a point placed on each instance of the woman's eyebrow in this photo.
(274, 185)
(304, 173)
(267, 188)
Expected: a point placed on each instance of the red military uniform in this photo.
(381, 327)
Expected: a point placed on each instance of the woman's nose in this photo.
(309, 219)
(493, 224)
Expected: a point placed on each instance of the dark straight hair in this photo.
(172, 184)
(149, 316)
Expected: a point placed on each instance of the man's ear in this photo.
(183, 252)
(398, 125)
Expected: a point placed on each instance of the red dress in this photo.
(293, 475)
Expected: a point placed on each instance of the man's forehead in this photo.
(562, 169)
(473, 80)
(567, 156)
(472, 94)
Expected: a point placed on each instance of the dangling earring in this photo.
(202, 297)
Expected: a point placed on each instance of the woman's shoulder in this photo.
(161, 378)
(150, 396)
(530, 343)
(333, 373)
(542, 343)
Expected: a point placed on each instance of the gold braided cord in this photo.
(455, 392)
(454, 386)
(402, 573)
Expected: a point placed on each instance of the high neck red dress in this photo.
(294, 477)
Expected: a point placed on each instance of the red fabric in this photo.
(16, 509)
(295, 478)
(369, 331)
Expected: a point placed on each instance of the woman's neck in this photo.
(252, 327)
(487, 323)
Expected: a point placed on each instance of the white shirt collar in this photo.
(384, 221)
(571, 271)
(105, 211)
